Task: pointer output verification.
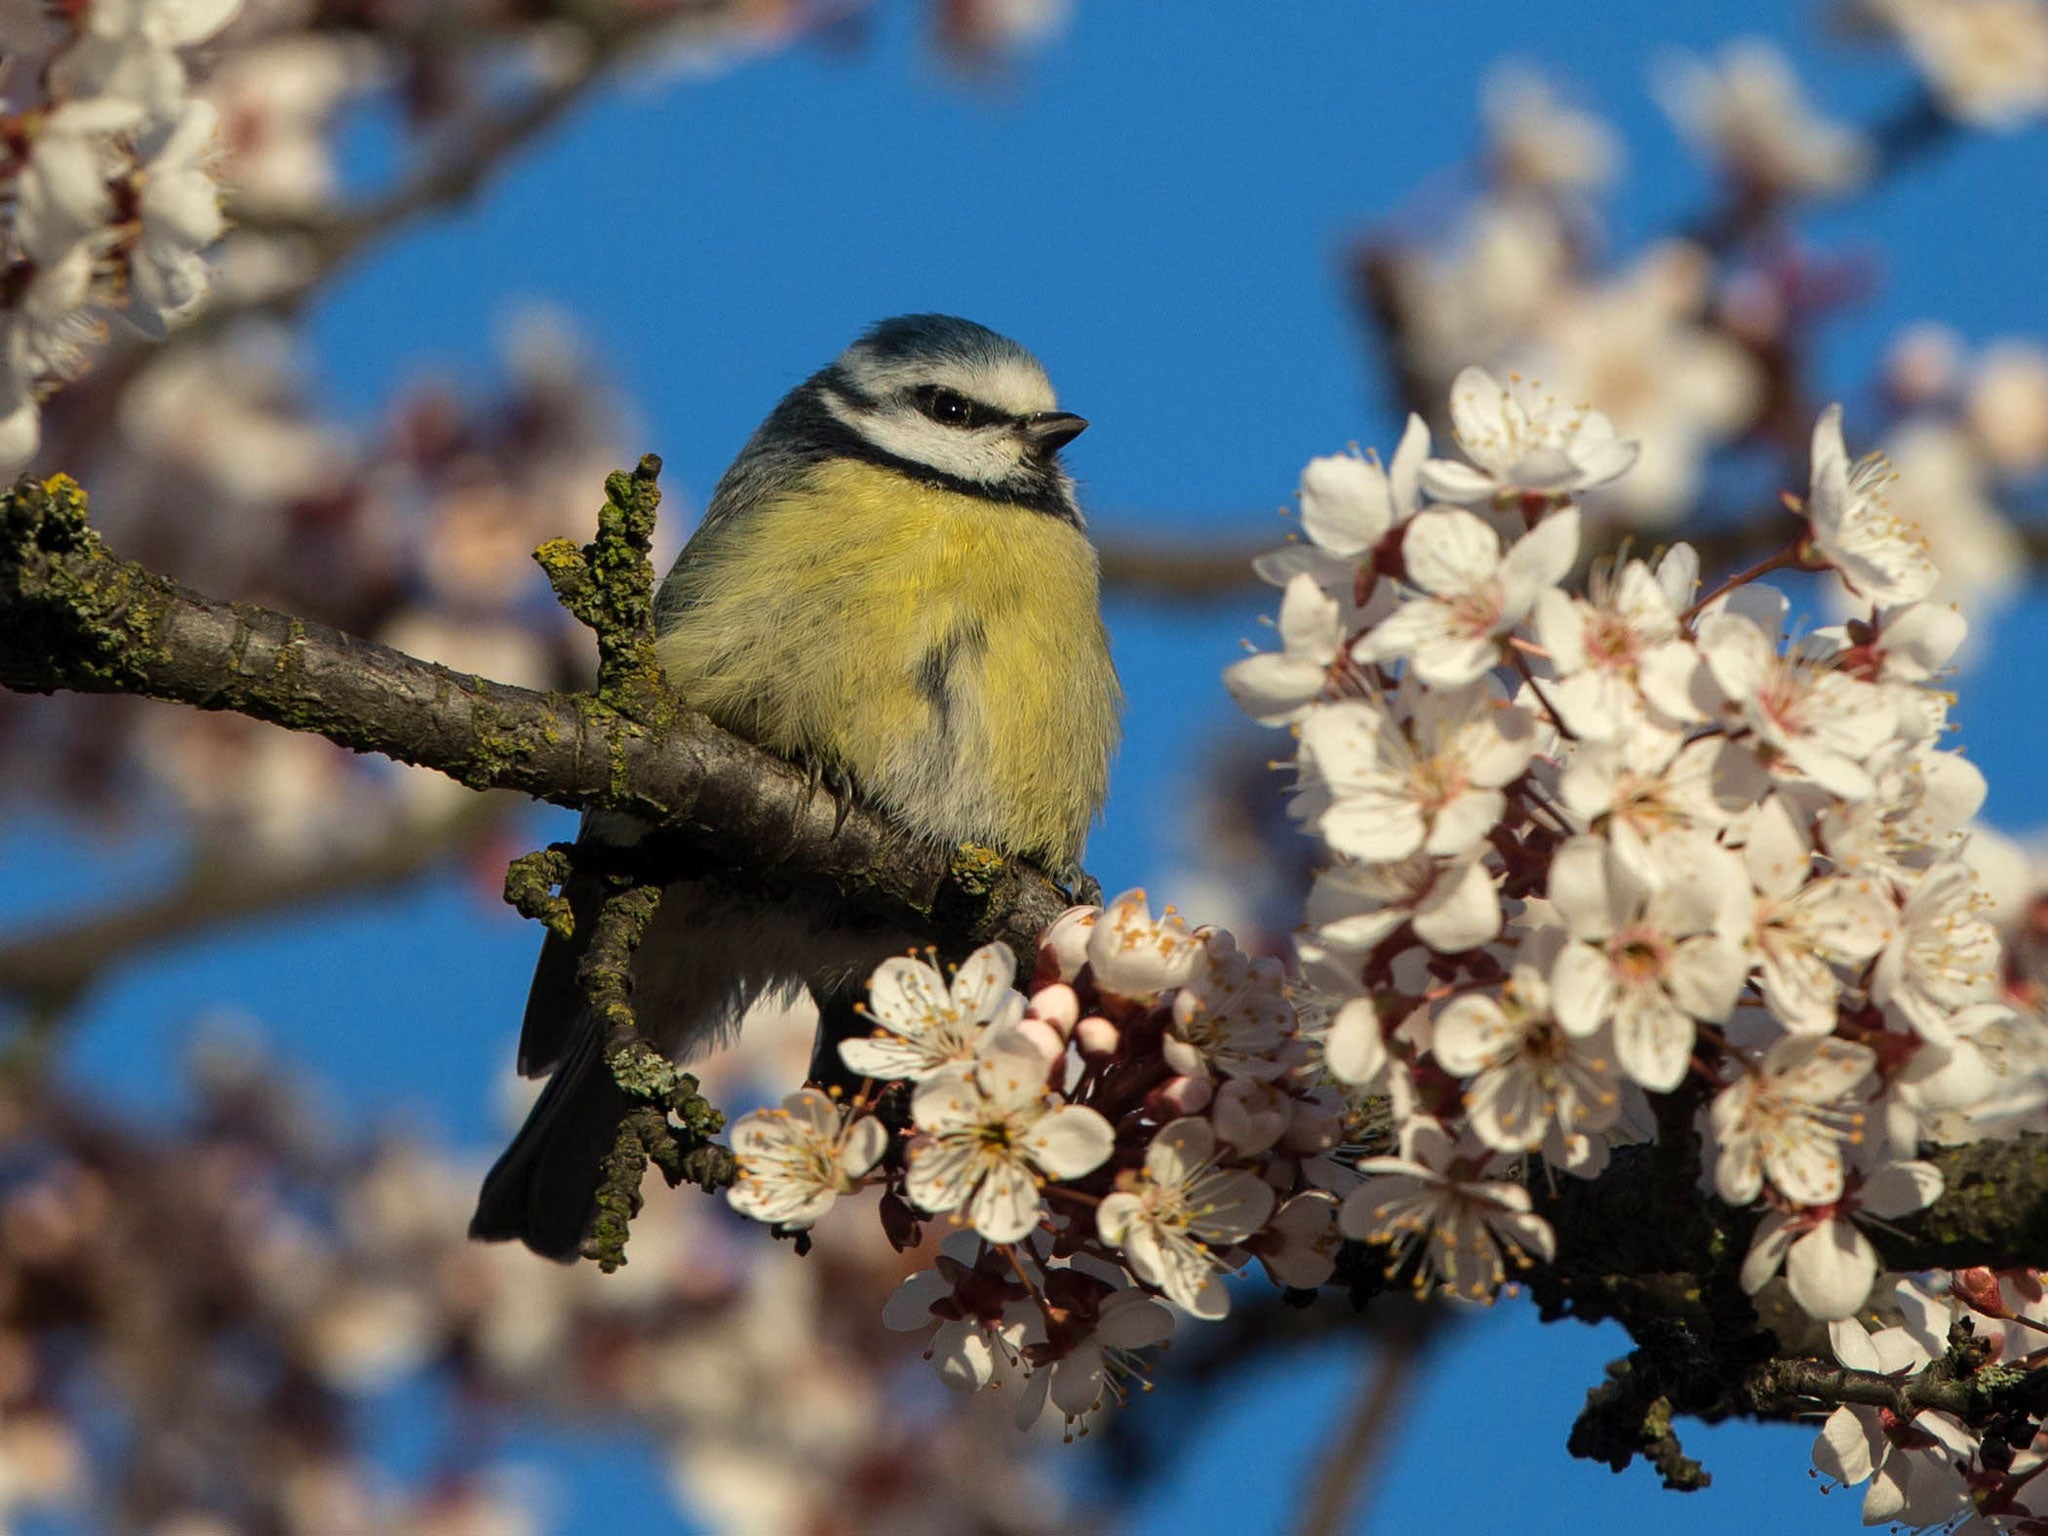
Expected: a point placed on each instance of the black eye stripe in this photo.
(950, 408)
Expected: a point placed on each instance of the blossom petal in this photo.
(1071, 1141)
(1830, 1270)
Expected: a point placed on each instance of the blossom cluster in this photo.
(110, 197)
(1135, 1131)
(1627, 859)
(1590, 849)
(1600, 860)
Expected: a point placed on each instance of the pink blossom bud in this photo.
(1063, 949)
(1058, 1006)
(1179, 1096)
(1097, 1037)
(1977, 1289)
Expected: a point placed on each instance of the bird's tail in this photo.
(705, 958)
(544, 1187)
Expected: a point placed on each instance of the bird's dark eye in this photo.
(950, 408)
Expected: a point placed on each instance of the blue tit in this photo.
(891, 585)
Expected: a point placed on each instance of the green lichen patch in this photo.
(608, 585)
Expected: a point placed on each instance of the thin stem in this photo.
(1782, 560)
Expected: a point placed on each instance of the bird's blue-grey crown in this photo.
(940, 399)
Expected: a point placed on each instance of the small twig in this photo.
(608, 584)
(1782, 560)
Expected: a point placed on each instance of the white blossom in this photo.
(1171, 1218)
(1881, 558)
(989, 1132)
(1652, 795)
(926, 1025)
(1536, 140)
(968, 1351)
(1298, 1246)
(1438, 1212)
(1787, 1118)
(1469, 594)
(1451, 904)
(1987, 60)
(1621, 650)
(1909, 1460)
(1806, 923)
(1231, 1017)
(1274, 687)
(1135, 955)
(1092, 1372)
(1806, 719)
(1642, 343)
(179, 208)
(1942, 957)
(1829, 1264)
(1652, 962)
(1751, 113)
(796, 1160)
(1433, 787)
(1530, 1078)
(2007, 406)
(1941, 487)
(1523, 442)
(1478, 294)
(1348, 503)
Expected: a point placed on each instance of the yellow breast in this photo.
(946, 651)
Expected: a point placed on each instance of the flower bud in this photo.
(1058, 1006)
(1179, 1096)
(1977, 1289)
(1097, 1037)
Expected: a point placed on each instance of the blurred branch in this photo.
(489, 139)
(450, 179)
(50, 968)
(1178, 571)
(1188, 572)
(1344, 1480)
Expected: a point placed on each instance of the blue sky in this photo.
(1155, 205)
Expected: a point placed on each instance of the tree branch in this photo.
(47, 970)
(73, 616)
(1630, 1221)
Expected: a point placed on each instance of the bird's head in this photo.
(948, 397)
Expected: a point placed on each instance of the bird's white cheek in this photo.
(986, 457)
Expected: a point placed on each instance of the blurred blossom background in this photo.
(258, 998)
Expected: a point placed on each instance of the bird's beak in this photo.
(1050, 431)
